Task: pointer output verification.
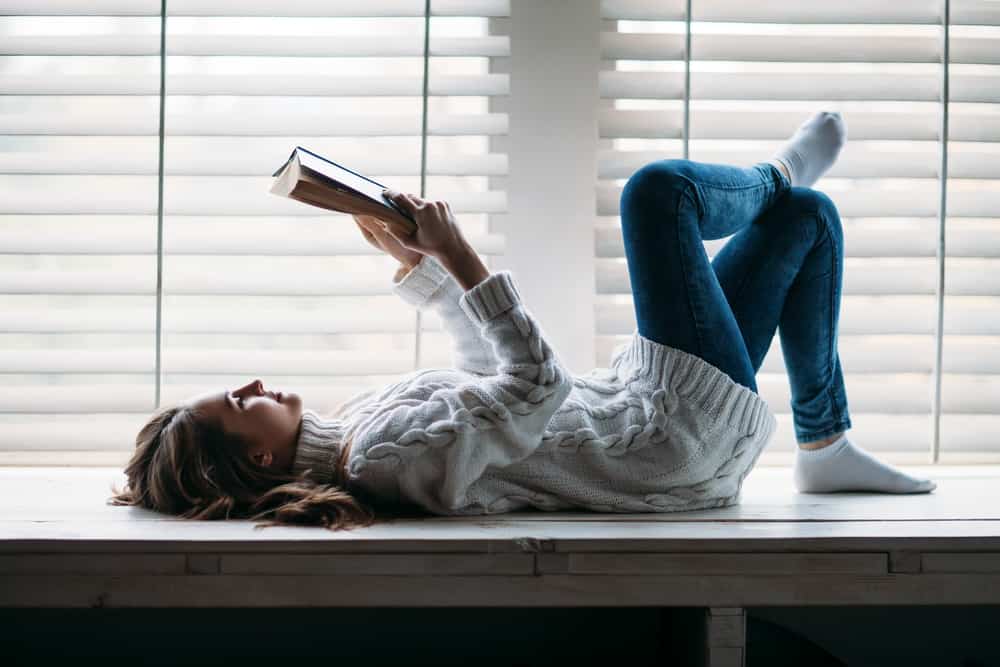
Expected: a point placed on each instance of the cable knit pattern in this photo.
(510, 428)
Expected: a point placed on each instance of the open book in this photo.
(310, 178)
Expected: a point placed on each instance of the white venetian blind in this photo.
(756, 71)
(253, 285)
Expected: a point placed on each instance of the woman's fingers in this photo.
(368, 234)
(409, 203)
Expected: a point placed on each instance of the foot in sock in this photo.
(813, 148)
(843, 466)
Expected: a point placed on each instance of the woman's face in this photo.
(268, 420)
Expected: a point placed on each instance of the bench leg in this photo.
(725, 637)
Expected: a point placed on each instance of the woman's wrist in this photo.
(404, 268)
(464, 264)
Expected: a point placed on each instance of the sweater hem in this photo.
(696, 380)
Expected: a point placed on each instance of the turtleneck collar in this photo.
(318, 447)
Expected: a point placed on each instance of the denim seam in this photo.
(687, 288)
(838, 416)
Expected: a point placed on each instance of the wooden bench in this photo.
(61, 546)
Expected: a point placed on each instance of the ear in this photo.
(263, 458)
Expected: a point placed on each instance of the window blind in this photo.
(758, 70)
(253, 285)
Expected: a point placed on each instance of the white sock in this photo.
(843, 466)
(813, 148)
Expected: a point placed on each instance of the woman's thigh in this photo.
(677, 297)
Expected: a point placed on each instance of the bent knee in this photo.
(820, 206)
(654, 180)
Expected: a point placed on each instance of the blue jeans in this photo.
(781, 270)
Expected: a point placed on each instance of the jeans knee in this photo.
(820, 206)
(653, 181)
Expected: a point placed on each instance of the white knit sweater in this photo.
(509, 427)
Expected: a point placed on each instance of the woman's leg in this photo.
(785, 272)
(667, 209)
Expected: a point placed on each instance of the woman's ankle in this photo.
(821, 443)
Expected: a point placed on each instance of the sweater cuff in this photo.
(495, 295)
(423, 280)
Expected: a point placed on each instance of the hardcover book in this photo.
(316, 180)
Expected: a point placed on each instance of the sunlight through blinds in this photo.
(756, 72)
(254, 285)
(970, 384)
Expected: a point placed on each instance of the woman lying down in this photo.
(674, 424)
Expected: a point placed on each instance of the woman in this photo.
(675, 424)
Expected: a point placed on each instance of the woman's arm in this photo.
(439, 236)
(438, 446)
(428, 285)
(423, 282)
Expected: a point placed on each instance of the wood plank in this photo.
(493, 591)
(716, 564)
(905, 561)
(965, 493)
(36, 494)
(961, 562)
(204, 563)
(501, 535)
(117, 564)
(379, 564)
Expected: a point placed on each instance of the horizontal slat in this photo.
(241, 44)
(878, 432)
(178, 319)
(821, 84)
(890, 237)
(888, 353)
(335, 234)
(374, 8)
(200, 361)
(208, 283)
(183, 195)
(870, 199)
(217, 156)
(780, 11)
(971, 123)
(968, 394)
(868, 46)
(858, 315)
(911, 393)
(875, 276)
(257, 84)
(858, 159)
(243, 120)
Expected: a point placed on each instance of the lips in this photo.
(278, 396)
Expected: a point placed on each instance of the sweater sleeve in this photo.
(438, 447)
(428, 284)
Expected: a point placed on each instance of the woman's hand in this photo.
(438, 235)
(375, 233)
(437, 232)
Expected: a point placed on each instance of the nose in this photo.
(256, 387)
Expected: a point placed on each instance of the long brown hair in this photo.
(185, 464)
